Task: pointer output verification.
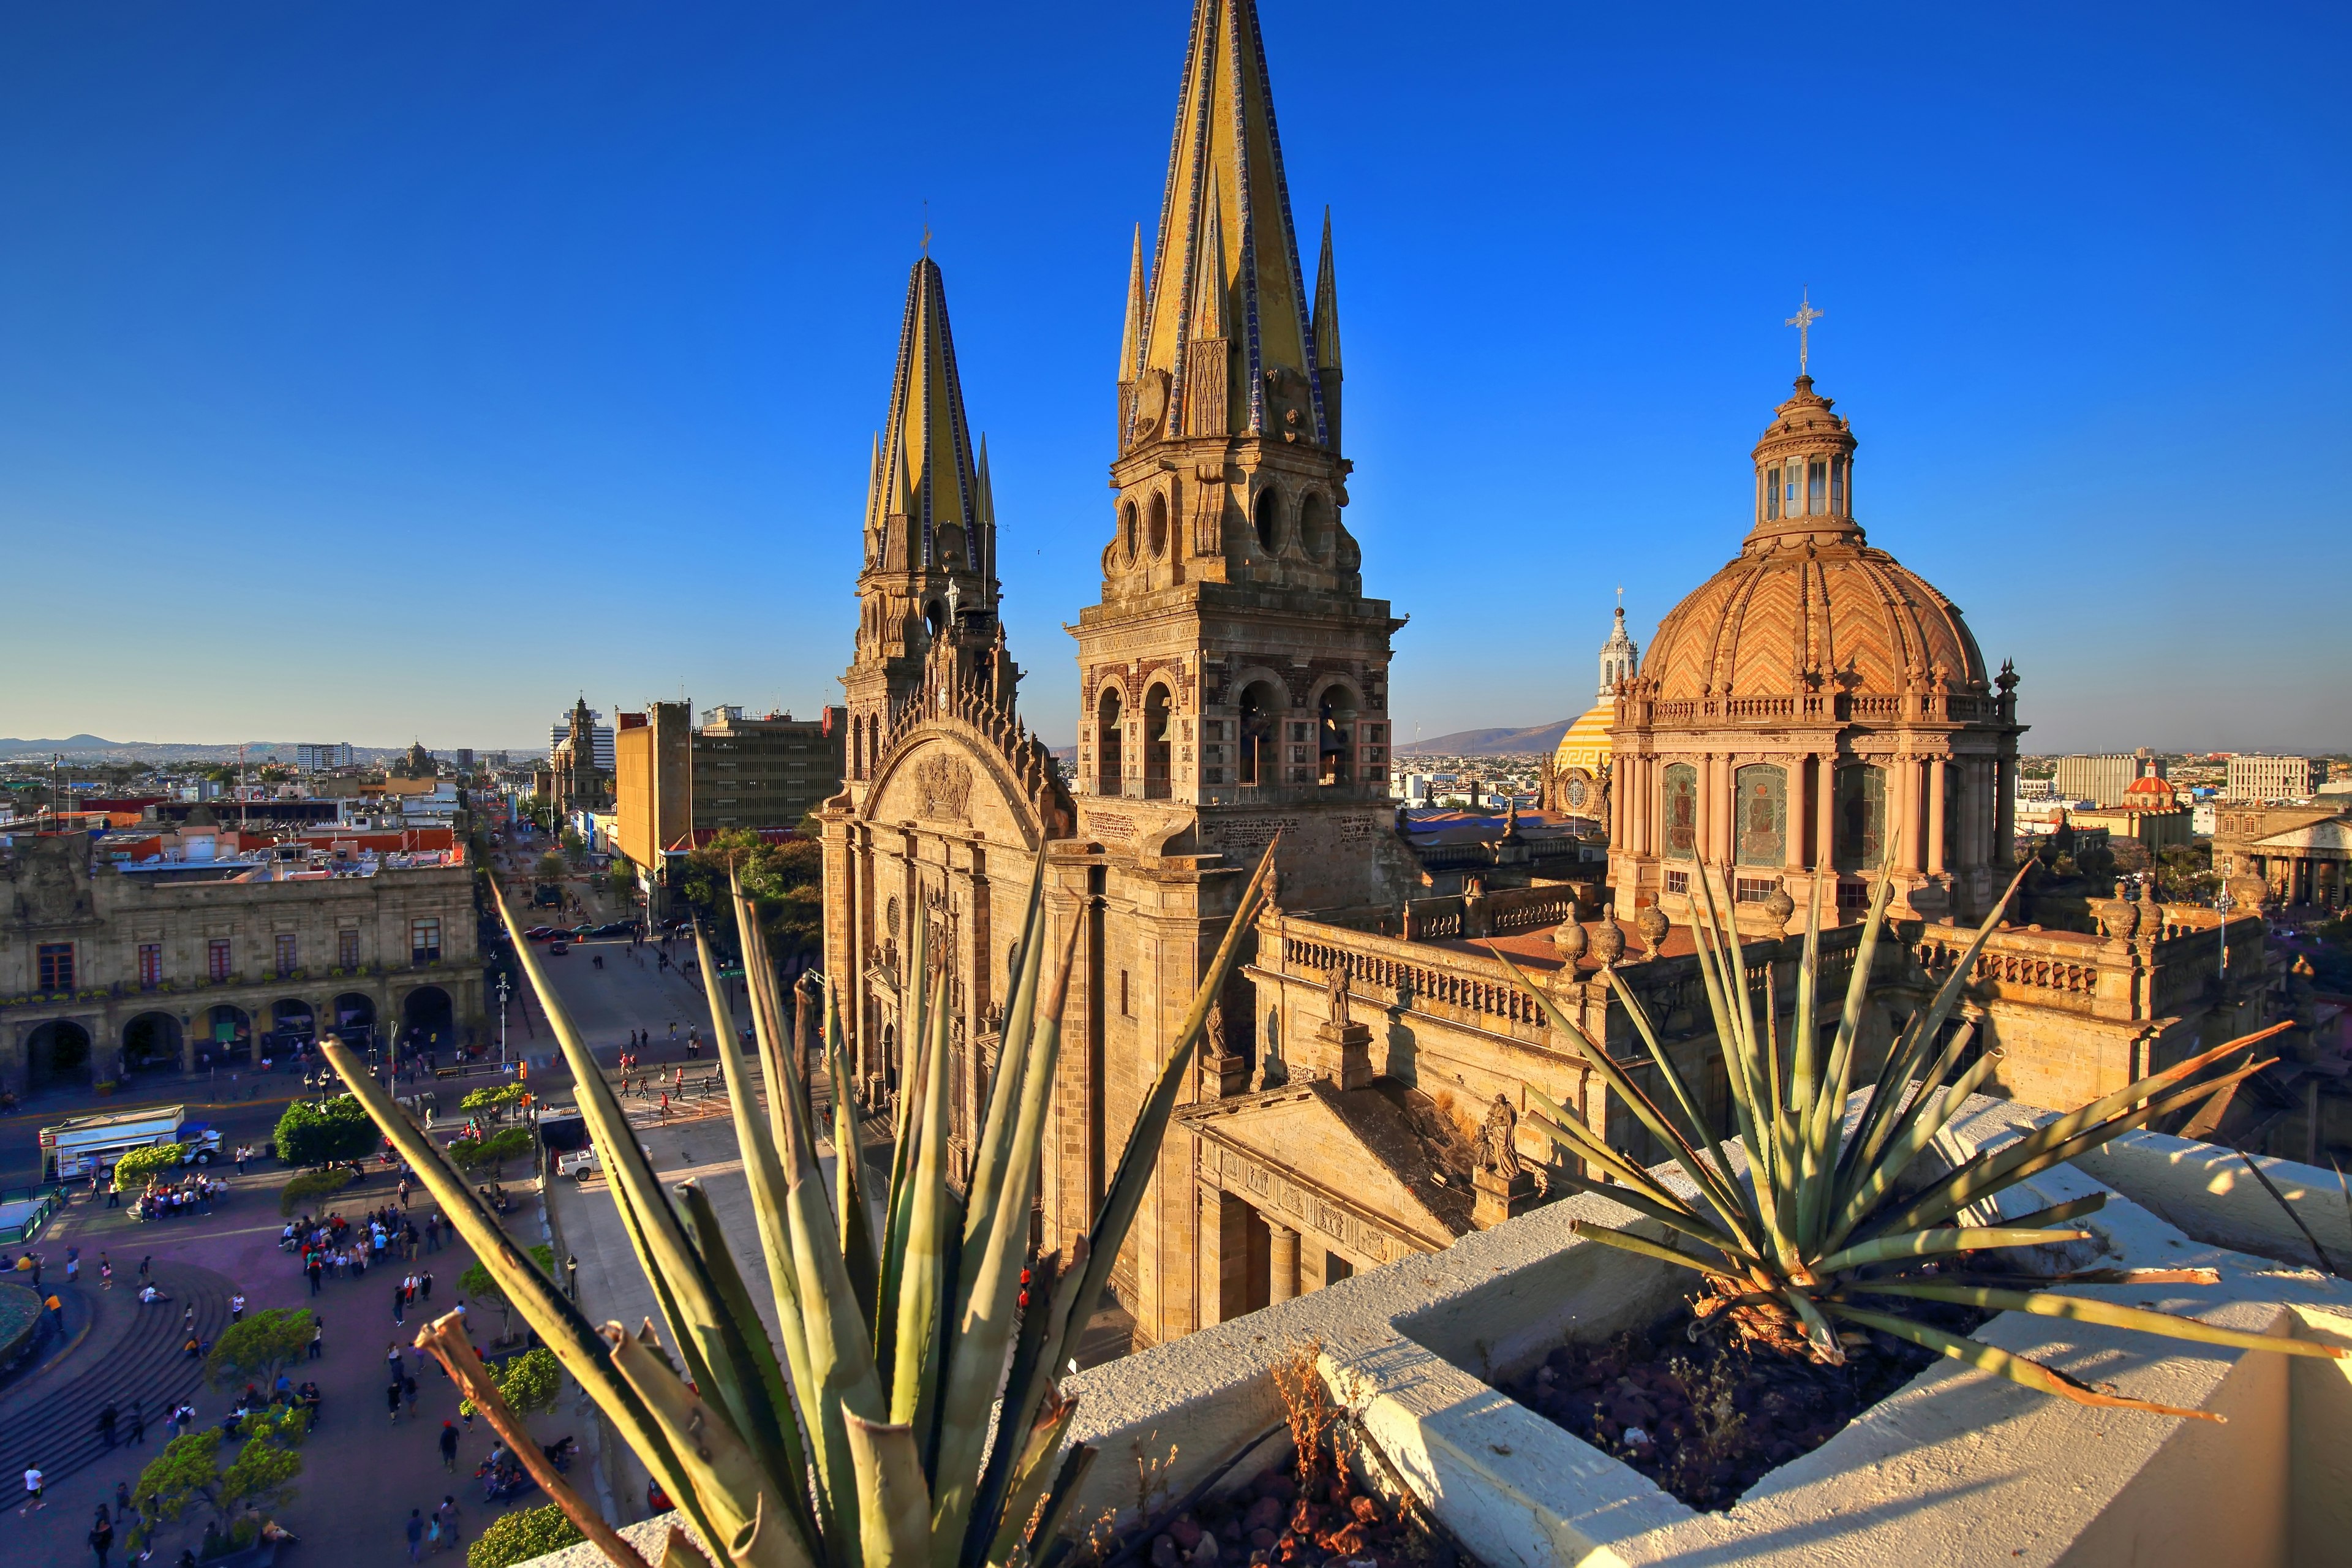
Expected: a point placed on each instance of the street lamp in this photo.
(2223, 903)
(572, 1274)
(503, 1020)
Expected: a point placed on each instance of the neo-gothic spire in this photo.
(1327, 305)
(1131, 342)
(930, 515)
(1225, 195)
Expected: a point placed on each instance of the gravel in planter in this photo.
(1707, 1419)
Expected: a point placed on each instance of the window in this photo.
(1837, 488)
(1772, 495)
(1853, 895)
(217, 958)
(347, 949)
(56, 965)
(1124, 1010)
(1817, 479)
(287, 948)
(1681, 811)
(424, 941)
(1678, 882)
(151, 965)
(1759, 829)
(1790, 476)
(1861, 806)
(1755, 889)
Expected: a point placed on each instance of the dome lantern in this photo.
(1804, 472)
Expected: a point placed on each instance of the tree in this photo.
(144, 1165)
(494, 1100)
(519, 1536)
(494, 1151)
(187, 1473)
(308, 1186)
(574, 847)
(258, 1348)
(529, 1383)
(785, 883)
(551, 868)
(311, 1134)
(479, 1284)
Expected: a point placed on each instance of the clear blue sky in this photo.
(373, 370)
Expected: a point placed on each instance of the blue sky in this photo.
(371, 371)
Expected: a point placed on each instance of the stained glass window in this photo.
(1761, 830)
(1681, 808)
(1861, 804)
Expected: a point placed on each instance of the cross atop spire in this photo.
(1803, 321)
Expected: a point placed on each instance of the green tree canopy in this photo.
(494, 1150)
(784, 881)
(140, 1166)
(311, 1134)
(519, 1536)
(529, 1382)
(258, 1348)
(187, 1473)
(306, 1187)
(479, 1284)
(551, 868)
(495, 1099)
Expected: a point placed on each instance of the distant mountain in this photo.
(97, 748)
(71, 743)
(1541, 740)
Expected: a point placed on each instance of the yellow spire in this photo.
(1327, 305)
(874, 511)
(927, 444)
(984, 554)
(1225, 189)
(1130, 342)
(1208, 303)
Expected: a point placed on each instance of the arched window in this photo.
(1110, 767)
(1267, 518)
(1335, 731)
(1760, 828)
(1156, 749)
(935, 616)
(1678, 807)
(1861, 807)
(1262, 707)
(1155, 527)
(1316, 532)
(1126, 531)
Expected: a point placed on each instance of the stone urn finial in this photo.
(2119, 914)
(1652, 925)
(1572, 940)
(1607, 943)
(2151, 913)
(1780, 908)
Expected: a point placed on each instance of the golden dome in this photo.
(1808, 604)
(1586, 743)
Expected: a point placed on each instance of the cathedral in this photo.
(1809, 713)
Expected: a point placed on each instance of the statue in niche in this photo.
(1269, 1073)
(1499, 1148)
(1217, 1046)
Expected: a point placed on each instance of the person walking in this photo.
(415, 1531)
(448, 1518)
(105, 1273)
(318, 1337)
(34, 1486)
(107, 1417)
(391, 1359)
(392, 1400)
(242, 1155)
(449, 1446)
(137, 1422)
(399, 1307)
(102, 1536)
(122, 1499)
(424, 1286)
(236, 1308)
(73, 1265)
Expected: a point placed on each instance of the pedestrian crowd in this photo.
(174, 1200)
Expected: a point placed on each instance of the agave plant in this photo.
(911, 1413)
(1833, 1217)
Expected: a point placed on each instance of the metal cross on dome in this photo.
(1803, 321)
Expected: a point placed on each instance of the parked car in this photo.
(558, 947)
(580, 933)
(614, 928)
(541, 933)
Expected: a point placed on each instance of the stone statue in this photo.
(1336, 1001)
(1217, 1028)
(1498, 1149)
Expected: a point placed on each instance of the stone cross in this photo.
(1803, 321)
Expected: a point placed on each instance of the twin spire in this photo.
(928, 507)
(1225, 264)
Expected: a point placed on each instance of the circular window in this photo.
(890, 916)
(1575, 793)
(1268, 521)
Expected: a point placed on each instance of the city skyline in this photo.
(416, 380)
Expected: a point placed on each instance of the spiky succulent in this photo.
(1820, 1217)
(911, 1414)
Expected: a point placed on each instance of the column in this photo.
(1935, 816)
(1903, 813)
(1282, 1276)
(1825, 811)
(1792, 826)
(2004, 809)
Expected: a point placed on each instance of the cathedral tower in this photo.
(927, 590)
(1234, 661)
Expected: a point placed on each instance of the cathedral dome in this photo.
(1808, 604)
(1585, 743)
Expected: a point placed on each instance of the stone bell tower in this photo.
(1234, 663)
(928, 591)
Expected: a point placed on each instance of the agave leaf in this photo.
(1726, 1196)
(920, 1285)
(1673, 1217)
(677, 1551)
(2111, 1314)
(1030, 1478)
(1894, 1127)
(893, 1504)
(914, 1034)
(1021, 1394)
(1744, 1106)
(2072, 1208)
(849, 1166)
(775, 1434)
(2001, 1363)
(1805, 1071)
(1837, 1079)
(1580, 1143)
(699, 1329)
(988, 1320)
(1137, 1161)
(1990, 1171)
(1038, 1545)
(1718, 1188)
(1940, 1240)
(577, 1344)
(1626, 1241)
(989, 1157)
(1878, 1180)
(721, 1470)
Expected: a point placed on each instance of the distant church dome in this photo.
(1583, 751)
(1808, 604)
